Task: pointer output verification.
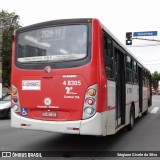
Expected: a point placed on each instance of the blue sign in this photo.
(148, 33)
(24, 111)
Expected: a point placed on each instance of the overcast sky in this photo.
(119, 16)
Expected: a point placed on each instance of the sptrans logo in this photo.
(31, 85)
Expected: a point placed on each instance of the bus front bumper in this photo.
(91, 126)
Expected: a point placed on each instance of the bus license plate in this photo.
(49, 114)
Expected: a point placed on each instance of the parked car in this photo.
(5, 106)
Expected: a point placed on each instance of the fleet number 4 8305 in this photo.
(72, 83)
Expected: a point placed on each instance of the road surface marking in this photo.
(154, 110)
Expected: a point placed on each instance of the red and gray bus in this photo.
(74, 76)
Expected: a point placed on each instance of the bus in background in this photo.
(73, 76)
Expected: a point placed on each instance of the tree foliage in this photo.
(155, 79)
(9, 22)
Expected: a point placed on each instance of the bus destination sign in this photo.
(53, 33)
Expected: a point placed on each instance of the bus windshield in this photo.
(58, 43)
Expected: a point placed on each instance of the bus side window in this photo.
(108, 56)
(135, 74)
(143, 78)
(128, 69)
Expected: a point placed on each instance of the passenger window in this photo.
(135, 66)
(128, 64)
(108, 56)
(128, 69)
(135, 74)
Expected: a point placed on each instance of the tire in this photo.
(132, 119)
(8, 114)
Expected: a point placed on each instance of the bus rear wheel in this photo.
(132, 119)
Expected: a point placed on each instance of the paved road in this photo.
(144, 137)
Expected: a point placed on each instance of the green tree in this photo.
(9, 22)
(155, 79)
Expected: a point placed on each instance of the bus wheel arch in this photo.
(132, 118)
